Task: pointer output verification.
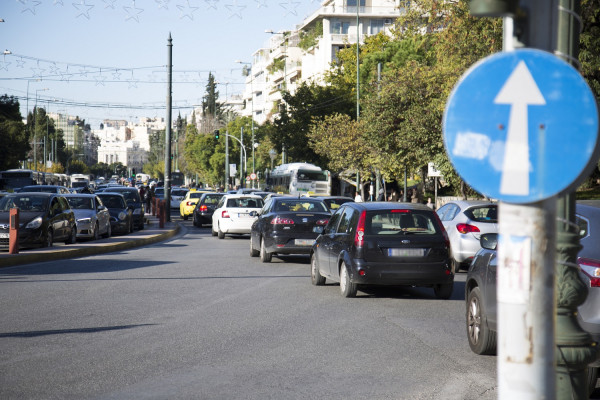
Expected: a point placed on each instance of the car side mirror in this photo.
(101, 208)
(489, 241)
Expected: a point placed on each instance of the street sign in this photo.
(521, 126)
(253, 176)
(432, 171)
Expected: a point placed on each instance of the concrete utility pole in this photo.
(168, 131)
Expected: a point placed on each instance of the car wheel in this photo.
(347, 288)
(455, 265)
(49, 239)
(73, 236)
(96, 234)
(443, 290)
(196, 223)
(131, 226)
(185, 217)
(108, 232)
(141, 225)
(265, 256)
(253, 253)
(315, 276)
(212, 230)
(482, 340)
(220, 233)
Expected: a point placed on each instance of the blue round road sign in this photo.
(521, 126)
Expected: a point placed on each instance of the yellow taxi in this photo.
(187, 205)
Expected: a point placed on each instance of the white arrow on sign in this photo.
(520, 91)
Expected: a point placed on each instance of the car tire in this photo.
(108, 233)
(141, 225)
(482, 339)
(212, 230)
(73, 236)
(220, 233)
(443, 291)
(315, 275)
(347, 288)
(196, 223)
(265, 256)
(253, 252)
(96, 234)
(49, 239)
(455, 265)
(592, 375)
(131, 226)
(185, 217)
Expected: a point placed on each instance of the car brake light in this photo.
(224, 214)
(466, 228)
(360, 230)
(591, 268)
(401, 211)
(203, 208)
(322, 222)
(282, 221)
(189, 203)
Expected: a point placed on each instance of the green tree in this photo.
(210, 104)
(14, 141)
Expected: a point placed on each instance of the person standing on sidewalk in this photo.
(149, 197)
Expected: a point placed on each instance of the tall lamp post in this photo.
(35, 129)
(251, 105)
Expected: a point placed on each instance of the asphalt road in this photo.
(197, 318)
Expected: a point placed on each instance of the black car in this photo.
(383, 243)
(205, 207)
(44, 218)
(133, 199)
(287, 225)
(121, 215)
(45, 188)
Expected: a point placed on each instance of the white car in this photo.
(177, 195)
(233, 214)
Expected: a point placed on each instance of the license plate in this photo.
(303, 242)
(318, 229)
(243, 215)
(4, 235)
(406, 252)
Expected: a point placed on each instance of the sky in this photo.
(107, 59)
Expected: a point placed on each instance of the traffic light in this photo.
(216, 134)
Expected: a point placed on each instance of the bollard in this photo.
(161, 220)
(13, 235)
(154, 211)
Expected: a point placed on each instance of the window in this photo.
(483, 214)
(376, 26)
(333, 221)
(346, 221)
(340, 27)
(392, 222)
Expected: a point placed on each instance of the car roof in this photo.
(102, 194)
(238, 196)
(469, 203)
(120, 188)
(44, 194)
(80, 195)
(306, 199)
(386, 205)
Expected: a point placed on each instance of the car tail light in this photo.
(591, 268)
(189, 203)
(401, 211)
(282, 221)
(360, 230)
(322, 222)
(203, 208)
(224, 214)
(466, 228)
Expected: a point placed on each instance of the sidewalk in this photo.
(150, 234)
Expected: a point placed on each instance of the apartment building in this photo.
(287, 59)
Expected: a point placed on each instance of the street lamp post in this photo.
(251, 104)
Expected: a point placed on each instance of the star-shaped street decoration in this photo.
(290, 6)
(133, 12)
(20, 63)
(211, 4)
(30, 5)
(187, 10)
(65, 76)
(109, 3)
(132, 82)
(39, 72)
(4, 65)
(58, 2)
(54, 69)
(83, 9)
(100, 79)
(235, 9)
(83, 72)
(261, 3)
(116, 75)
(163, 4)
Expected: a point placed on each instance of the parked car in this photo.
(334, 202)
(132, 197)
(45, 188)
(383, 243)
(287, 225)
(205, 208)
(187, 205)
(44, 218)
(480, 287)
(121, 215)
(465, 221)
(233, 214)
(177, 195)
(92, 217)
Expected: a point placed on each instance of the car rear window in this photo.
(334, 204)
(212, 199)
(399, 222)
(483, 214)
(113, 201)
(244, 202)
(300, 205)
(81, 203)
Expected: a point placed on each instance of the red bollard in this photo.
(161, 219)
(154, 211)
(13, 235)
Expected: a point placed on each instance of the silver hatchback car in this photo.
(465, 221)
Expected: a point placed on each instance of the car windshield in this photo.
(244, 202)
(130, 196)
(81, 203)
(113, 201)
(300, 206)
(212, 199)
(23, 203)
(178, 192)
(392, 222)
(334, 204)
(44, 189)
(483, 214)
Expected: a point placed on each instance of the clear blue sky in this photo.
(93, 53)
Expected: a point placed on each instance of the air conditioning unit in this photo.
(387, 21)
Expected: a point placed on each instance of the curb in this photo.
(20, 259)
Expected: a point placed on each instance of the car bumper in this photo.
(240, 226)
(187, 210)
(298, 244)
(203, 218)
(417, 274)
(27, 238)
(119, 226)
(464, 247)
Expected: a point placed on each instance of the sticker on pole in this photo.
(522, 126)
